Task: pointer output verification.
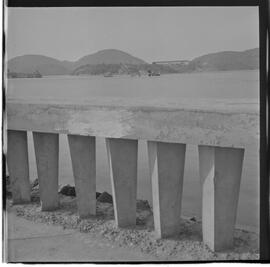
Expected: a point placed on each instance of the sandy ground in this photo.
(37, 242)
(98, 239)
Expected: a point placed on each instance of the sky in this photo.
(150, 33)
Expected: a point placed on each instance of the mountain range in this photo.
(118, 62)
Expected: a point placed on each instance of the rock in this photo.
(105, 197)
(34, 184)
(193, 219)
(143, 205)
(68, 190)
(140, 221)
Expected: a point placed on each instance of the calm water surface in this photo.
(237, 84)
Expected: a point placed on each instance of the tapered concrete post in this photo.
(220, 174)
(83, 158)
(123, 158)
(18, 166)
(166, 162)
(47, 159)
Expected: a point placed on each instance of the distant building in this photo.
(172, 62)
(178, 66)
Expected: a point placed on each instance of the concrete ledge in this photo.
(225, 123)
(218, 127)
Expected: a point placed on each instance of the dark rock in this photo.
(68, 190)
(97, 195)
(143, 205)
(193, 219)
(34, 184)
(105, 197)
(140, 221)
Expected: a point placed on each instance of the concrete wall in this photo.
(216, 122)
(222, 129)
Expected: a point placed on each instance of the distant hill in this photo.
(109, 56)
(227, 60)
(118, 62)
(50, 66)
(42, 64)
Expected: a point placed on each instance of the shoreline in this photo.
(142, 76)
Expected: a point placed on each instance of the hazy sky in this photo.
(150, 33)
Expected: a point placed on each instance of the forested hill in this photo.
(118, 62)
(227, 60)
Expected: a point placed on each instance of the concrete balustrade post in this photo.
(83, 158)
(18, 166)
(166, 162)
(123, 157)
(220, 175)
(47, 159)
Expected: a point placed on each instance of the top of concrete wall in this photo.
(223, 122)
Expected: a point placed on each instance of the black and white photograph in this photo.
(132, 134)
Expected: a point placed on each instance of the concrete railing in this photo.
(222, 129)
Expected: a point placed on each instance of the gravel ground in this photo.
(187, 246)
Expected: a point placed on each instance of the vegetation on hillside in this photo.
(115, 62)
(35, 74)
(118, 69)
